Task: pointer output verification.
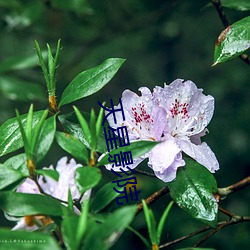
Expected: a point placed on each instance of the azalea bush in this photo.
(79, 202)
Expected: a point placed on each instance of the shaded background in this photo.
(161, 41)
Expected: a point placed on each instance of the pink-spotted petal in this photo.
(189, 110)
(144, 119)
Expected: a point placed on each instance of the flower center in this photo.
(141, 115)
(180, 110)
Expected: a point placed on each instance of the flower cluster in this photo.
(177, 115)
(58, 189)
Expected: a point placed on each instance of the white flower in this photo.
(177, 115)
(58, 189)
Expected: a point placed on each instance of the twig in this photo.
(42, 192)
(144, 173)
(224, 211)
(204, 229)
(235, 220)
(152, 198)
(223, 192)
(226, 23)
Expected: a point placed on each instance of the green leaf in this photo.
(37, 132)
(16, 240)
(87, 177)
(70, 123)
(19, 90)
(46, 138)
(241, 5)
(18, 162)
(84, 125)
(92, 126)
(53, 174)
(143, 239)
(193, 191)
(69, 230)
(19, 63)
(10, 136)
(90, 81)
(78, 6)
(73, 146)
(150, 219)
(162, 221)
(74, 228)
(99, 122)
(105, 235)
(82, 223)
(138, 148)
(20, 204)
(233, 41)
(9, 175)
(104, 196)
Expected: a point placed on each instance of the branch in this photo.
(235, 220)
(151, 199)
(223, 192)
(226, 23)
(144, 173)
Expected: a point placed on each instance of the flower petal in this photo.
(165, 158)
(29, 187)
(143, 117)
(59, 189)
(201, 153)
(189, 110)
(136, 162)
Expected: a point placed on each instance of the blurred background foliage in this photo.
(161, 41)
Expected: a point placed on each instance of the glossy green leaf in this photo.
(19, 90)
(105, 235)
(18, 162)
(84, 125)
(90, 81)
(241, 5)
(87, 177)
(70, 123)
(193, 191)
(21, 204)
(53, 174)
(16, 240)
(233, 41)
(46, 138)
(10, 136)
(73, 146)
(138, 148)
(9, 175)
(104, 196)
(37, 133)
